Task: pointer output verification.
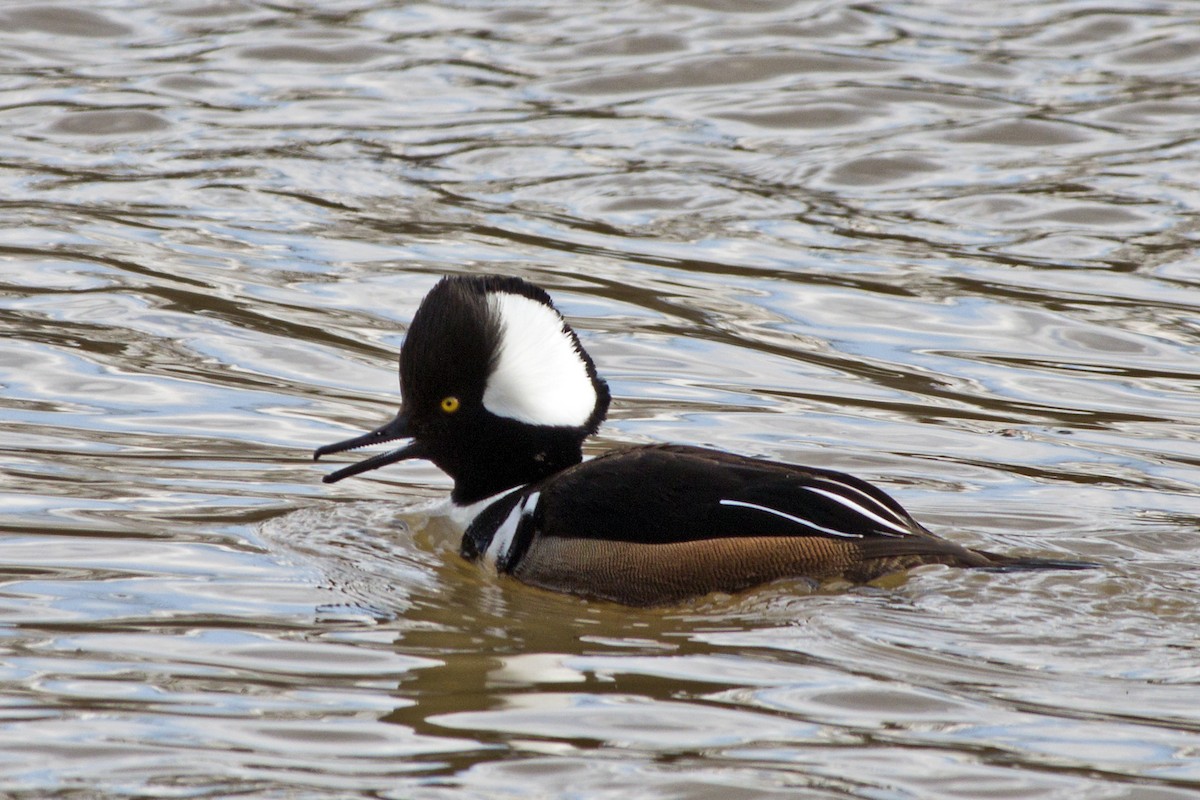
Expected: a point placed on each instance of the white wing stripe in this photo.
(880, 507)
(858, 509)
(797, 520)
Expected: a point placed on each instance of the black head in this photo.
(496, 389)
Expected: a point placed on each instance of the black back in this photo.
(661, 494)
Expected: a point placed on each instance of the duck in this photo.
(498, 392)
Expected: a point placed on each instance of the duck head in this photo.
(496, 389)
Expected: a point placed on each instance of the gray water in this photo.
(950, 248)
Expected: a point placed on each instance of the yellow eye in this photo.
(449, 404)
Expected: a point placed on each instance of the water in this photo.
(946, 247)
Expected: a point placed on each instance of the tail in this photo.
(1002, 563)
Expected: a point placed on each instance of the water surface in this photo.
(948, 248)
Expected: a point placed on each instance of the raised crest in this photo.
(539, 375)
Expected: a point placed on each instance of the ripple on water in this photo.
(949, 249)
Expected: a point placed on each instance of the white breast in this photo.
(502, 540)
(462, 516)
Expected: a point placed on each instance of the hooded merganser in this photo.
(500, 395)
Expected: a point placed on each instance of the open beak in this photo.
(396, 429)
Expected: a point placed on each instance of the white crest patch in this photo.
(539, 377)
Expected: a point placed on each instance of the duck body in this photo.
(658, 524)
(499, 393)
